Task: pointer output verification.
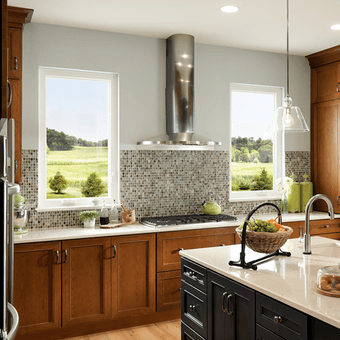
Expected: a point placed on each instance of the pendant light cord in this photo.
(287, 88)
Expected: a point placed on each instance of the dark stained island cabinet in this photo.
(215, 307)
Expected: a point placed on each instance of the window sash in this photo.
(45, 204)
(278, 146)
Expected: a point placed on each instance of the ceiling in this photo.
(258, 25)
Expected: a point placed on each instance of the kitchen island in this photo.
(277, 301)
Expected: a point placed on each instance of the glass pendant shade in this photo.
(289, 118)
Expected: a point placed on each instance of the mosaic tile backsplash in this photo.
(156, 183)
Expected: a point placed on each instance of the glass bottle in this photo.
(104, 215)
(114, 213)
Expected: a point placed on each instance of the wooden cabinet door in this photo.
(298, 227)
(231, 310)
(325, 82)
(168, 290)
(4, 60)
(37, 286)
(15, 53)
(133, 275)
(170, 243)
(86, 280)
(15, 112)
(325, 145)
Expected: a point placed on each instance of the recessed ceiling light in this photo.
(229, 9)
(336, 27)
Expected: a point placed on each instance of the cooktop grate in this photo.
(163, 221)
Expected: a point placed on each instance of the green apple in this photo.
(211, 208)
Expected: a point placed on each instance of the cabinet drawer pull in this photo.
(326, 226)
(228, 299)
(57, 256)
(277, 319)
(65, 256)
(223, 308)
(114, 251)
(192, 307)
(337, 87)
(15, 63)
(9, 94)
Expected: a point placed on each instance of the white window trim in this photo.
(113, 152)
(278, 148)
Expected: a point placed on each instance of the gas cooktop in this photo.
(164, 221)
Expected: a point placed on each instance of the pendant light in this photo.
(289, 118)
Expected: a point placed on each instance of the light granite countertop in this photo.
(289, 280)
(67, 233)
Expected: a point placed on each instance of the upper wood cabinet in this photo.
(37, 286)
(17, 18)
(325, 82)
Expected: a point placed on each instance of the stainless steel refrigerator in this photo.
(9, 318)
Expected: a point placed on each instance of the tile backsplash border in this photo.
(156, 183)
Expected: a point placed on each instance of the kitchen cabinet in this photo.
(170, 243)
(15, 112)
(4, 61)
(168, 290)
(326, 152)
(37, 286)
(238, 312)
(133, 275)
(17, 18)
(231, 309)
(325, 128)
(325, 81)
(169, 261)
(86, 282)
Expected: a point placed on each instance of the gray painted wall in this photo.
(140, 63)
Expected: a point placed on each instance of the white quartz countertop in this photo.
(66, 233)
(289, 280)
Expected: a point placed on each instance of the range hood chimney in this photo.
(179, 100)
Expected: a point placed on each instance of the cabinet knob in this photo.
(277, 319)
(192, 307)
(326, 226)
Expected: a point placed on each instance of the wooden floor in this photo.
(169, 330)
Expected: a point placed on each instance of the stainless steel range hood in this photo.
(179, 100)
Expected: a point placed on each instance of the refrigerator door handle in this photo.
(15, 322)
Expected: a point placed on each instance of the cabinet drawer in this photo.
(264, 334)
(188, 333)
(291, 324)
(168, 290)
(194, 309)
(194, 274)
(324, 227)
(170, 243)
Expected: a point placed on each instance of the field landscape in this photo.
(76, 165)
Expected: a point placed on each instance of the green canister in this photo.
(306, 192)
(294, 198)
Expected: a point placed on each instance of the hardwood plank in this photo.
(169, 330)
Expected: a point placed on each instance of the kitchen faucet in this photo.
(306, 237)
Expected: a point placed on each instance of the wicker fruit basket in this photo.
(264, 242)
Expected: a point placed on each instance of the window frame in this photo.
(278, 145)
(45, 204)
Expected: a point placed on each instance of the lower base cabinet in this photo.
(236, 312)
(73, 283)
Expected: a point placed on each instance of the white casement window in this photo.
(78, 139)
(255, 152)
